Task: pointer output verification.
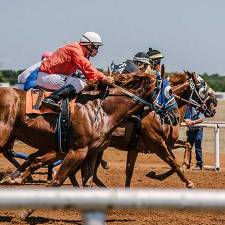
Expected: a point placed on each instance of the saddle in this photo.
(34, 98)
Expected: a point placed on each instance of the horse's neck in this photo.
(182, 110)
(122, 106)
(182, 92)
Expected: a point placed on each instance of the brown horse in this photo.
(88, 134)
(159, 138)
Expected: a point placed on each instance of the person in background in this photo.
(56, 72)
(27, 79)
(139, 63)
(195, 133)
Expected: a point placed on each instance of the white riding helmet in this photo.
(91, 37)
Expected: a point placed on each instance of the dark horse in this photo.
(92, 123)
(159, 138)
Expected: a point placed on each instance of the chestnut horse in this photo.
(92, 123)
(160, 138)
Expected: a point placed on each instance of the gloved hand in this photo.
(108, 80)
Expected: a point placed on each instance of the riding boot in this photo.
(52, 100)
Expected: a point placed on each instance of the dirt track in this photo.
(114, 177)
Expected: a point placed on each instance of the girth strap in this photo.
(63, 127)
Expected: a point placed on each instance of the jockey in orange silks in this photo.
(56, 72)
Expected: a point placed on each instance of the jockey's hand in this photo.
(158, 68)
(189, 122)
(108, 80)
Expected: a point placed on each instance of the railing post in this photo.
(94, 217)
(217, 147)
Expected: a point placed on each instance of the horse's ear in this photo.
(193, 76)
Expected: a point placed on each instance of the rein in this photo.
(134, 97)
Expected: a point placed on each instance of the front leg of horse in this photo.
(160, 177)
(96, 180)
(165, 155)
(72, 160)
(131, 159)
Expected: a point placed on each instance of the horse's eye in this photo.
(202, 92)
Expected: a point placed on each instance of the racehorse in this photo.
(159, 138)
(92, 122)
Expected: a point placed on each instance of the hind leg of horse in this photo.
(8, 155)
(72, 160)
(96, 180)
(131, 159)
(87, 169)
(165, 155)
(26, 164)
(37, 164)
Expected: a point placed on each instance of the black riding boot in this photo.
(52, 100)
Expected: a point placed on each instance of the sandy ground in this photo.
(114, 177)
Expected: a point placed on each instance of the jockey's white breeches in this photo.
(53, 82)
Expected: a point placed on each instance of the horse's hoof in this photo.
(190, 185)
(151, 174)
(55, 183)
(6, 180)
(24, 214)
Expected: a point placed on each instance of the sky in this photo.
(191, 34)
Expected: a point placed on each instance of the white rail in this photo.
(216, 125)
(94, 202)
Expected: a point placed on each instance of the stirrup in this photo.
(50, 103)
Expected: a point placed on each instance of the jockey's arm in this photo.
(86, 67)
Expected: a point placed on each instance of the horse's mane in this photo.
(126, 80)
(177, 78)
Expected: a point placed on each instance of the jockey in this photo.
(165, 99)
(139, 63)
(56, 72)
(155, 57)
(27, 79)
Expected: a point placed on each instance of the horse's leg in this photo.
(8, 153)
(165, 155)
(187, 156)
(26, 164)
(9, 156)
(49, 177)
(39, 162)
(87, 169)
(73, 180)
(72, 157)
(72, 160)
(96, 180)
(131, 159)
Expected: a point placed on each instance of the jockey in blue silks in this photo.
(165, 102)
(27, 79)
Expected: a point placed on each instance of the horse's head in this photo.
(202, 97)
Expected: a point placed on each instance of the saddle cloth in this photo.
(34, 98)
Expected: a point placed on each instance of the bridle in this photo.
(197, 97)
